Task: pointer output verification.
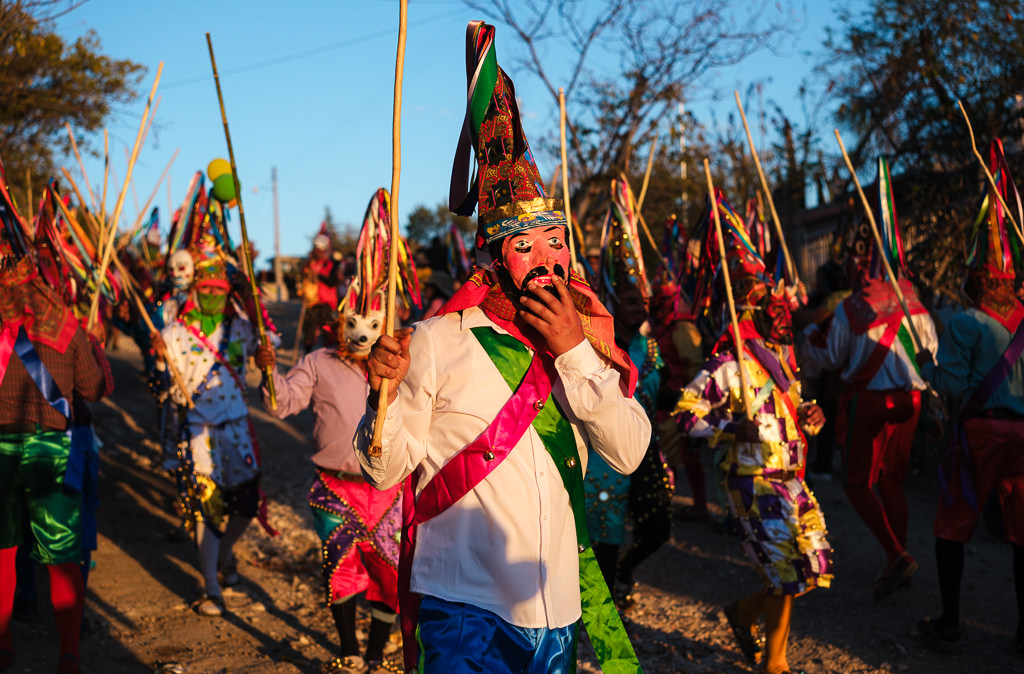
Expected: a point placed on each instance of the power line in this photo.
(309, 52)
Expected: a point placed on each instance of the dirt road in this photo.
(145, 575)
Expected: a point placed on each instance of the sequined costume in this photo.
(358, 525)
(783, 526)
(216, 445)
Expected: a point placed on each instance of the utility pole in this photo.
(278, 279)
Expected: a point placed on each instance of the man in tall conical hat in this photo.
(209, 343)
(48, 365)
(491, 407)
(980, 366)
(870, 340)
(782, 524)
(358, 525)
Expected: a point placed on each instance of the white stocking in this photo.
(209, 549)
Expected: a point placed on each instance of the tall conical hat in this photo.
(621, 258)
(507, 191)
(995, 252)
(861, 248)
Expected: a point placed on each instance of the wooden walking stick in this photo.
(565, 188)
(246, 253)
(643, 223)
(737, 340)
(768, 194)
(28, 183)
(988, 174)
(881, 246)
(396, 172)
(108, 248)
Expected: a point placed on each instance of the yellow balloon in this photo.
(217, 168)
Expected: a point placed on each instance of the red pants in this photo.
(875, 431)
(997, 460)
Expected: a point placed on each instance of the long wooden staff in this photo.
(396, 172)
(643, 223)
(102, 210)
(737, 340)
(988, 174)
(109, 236)
(565, 188)
(881, 246)
(81, 166)
(28, 182)
(130, 289)
(768, 194)
(246, 254)
(647, 175)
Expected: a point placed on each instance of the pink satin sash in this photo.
(457, 478)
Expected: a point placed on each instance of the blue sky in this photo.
(308, 88)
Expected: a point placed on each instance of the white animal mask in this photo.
(182, 269)
(361, 330)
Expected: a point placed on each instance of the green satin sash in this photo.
(600, 617)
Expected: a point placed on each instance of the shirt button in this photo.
(538, 405)
(571, 462)
(488, 456)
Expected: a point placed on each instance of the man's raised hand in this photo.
(553, 316)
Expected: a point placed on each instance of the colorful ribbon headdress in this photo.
(621, 258)
(372, 255)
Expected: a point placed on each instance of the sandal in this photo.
(745, 638)
(209, 605)
(897, 575)
(384, 667)
(350, 664)
(938, 639)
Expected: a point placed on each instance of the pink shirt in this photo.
(337, 391)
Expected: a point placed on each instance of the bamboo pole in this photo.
(120, 199)
(81, 166)
(768, 194)
(246, 253)
(737, 340)
(647, 175)
(643, 223)
(138, 221)
(566, 203)
(102, 210)
(129, 287)
(28, 182)
(881, 246)
(396, 172)
(988, 174)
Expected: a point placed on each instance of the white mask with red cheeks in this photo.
(536, 254)
(182, 269)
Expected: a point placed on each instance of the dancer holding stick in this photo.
(523, 348)
(872, 340)
(765, 449)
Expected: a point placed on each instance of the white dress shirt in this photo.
(851, 352)
(508, 546)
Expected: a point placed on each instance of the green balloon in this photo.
(224, 188)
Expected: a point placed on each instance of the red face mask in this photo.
(773, 319)
(536, 254)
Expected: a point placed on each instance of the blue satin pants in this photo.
(460, 638)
